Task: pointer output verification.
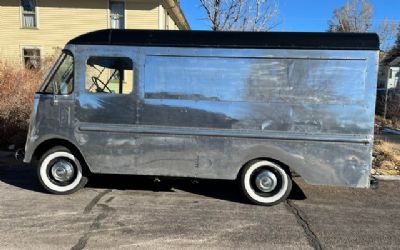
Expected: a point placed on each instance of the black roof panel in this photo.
(231, 39)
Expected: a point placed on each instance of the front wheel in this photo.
(265, 183)
(60, 171)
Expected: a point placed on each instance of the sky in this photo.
(300, 15)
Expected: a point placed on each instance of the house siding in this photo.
(55, 25)
(142, 15)
(58, 21)
(171, 24)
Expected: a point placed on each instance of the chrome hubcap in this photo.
(62, 170)
(266, 181)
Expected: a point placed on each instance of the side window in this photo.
(111, 75)
(62, 81)
(28, 13)
(31, 58)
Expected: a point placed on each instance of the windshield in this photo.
(62, 80)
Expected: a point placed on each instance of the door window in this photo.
(110, 75)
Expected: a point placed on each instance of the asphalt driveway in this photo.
(137, 213)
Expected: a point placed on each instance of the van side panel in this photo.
(203, 112)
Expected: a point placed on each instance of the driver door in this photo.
(106, 105)
(56, 97)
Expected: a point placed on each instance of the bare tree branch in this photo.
(387, 33)
(253, 15)
(354, 16)
(395, 50)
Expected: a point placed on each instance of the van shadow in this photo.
(25, 177)
(217, 189)
(21, 176)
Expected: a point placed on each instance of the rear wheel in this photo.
(60, 171)
(265, 183)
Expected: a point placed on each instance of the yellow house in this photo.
(31, 30)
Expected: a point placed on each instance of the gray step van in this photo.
(248, 106)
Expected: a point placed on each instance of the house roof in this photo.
(174, 9)
(218, 39)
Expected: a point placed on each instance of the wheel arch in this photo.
(278, 162)
(290, 163)
(46, 145)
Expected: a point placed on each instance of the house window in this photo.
(109, 75)
(28, 13)
(117, 10)
(390, 73)
(31, 58)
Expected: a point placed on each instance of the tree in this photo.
(354, 16)
(395, 50)
(387, 34)
(253, 15)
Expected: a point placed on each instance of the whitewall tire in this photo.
(265, 183)
(60, 171)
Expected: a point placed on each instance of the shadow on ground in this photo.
(24, 176)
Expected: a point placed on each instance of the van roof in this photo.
(231, 39)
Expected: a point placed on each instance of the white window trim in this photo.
(161, 17)
(21, 20)
(108, 15)
(37, 14)
(125, 15)
(22, 47)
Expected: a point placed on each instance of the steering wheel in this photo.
(96, 82)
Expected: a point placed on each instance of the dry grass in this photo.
(18, 87)
(386, 158)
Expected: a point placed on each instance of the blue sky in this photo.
(300, 15)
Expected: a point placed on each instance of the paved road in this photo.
(390, 137)
(135, 213)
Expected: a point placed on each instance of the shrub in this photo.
(18, 87)
(386, 158)
(393, 107)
